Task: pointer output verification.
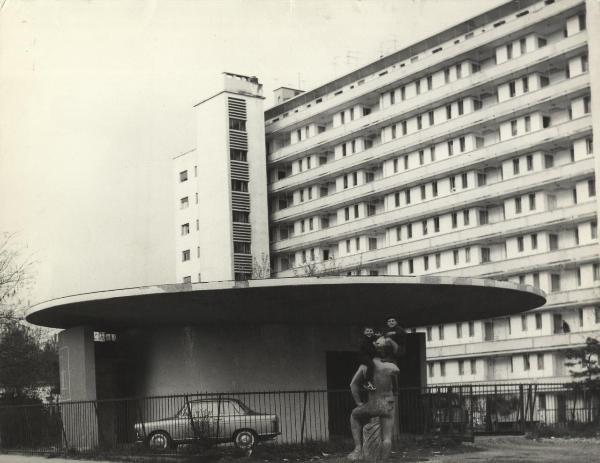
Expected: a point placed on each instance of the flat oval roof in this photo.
(416, 301)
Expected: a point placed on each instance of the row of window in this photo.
(524, 84)
(239, 247)
(523, 123)
(437, 260)
(462, 147)
(485, 257)
(442, 367)
(434, 261)
(459, 256)
(526, 362)
(541, 42)
(459, 331)
(488, 326)
(430, 117)
(514, 124)
(234, 154)
(405, 197)
(453, 219)
(351, 179)
(427, 83)
(406, 231)
(456, 69)
(536, 276)
(526, 123)
(363, 111)
(415, 58)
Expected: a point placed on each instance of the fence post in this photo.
(532, 394)
(303, 420)
(100, 426)
(138, 410)
(62, 425)
(190, 416)
(471, 412)
(218, 415)
(522, 407)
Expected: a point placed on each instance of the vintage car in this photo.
(210, 421)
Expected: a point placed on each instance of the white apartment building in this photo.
(470, 153)
(221, 187)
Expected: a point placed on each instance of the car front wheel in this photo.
(244, 439)
(160, 440)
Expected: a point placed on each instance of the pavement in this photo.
(513, 449)
(11, 458)
(493, 449)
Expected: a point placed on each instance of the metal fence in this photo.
(285, 417)
(517, 408)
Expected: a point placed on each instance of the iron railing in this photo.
(286, 417)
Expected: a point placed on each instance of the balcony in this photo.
(468, 198)
(525, 264)
(509, 346)
(537, 262)
(510, 147)
(572, 297)
(442, 241)
(435, 98)
(491, 37)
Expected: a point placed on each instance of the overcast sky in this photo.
(96, 98)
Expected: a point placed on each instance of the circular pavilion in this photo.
(251, 335)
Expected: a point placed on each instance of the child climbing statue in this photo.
(366, 352)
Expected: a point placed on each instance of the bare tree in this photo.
(15, 275)
(261, 268)
(307, 269)
(321, 268)
(28, 364)
(330, 267)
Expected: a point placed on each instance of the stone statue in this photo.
(373, 437)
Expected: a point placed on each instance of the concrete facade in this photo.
(236, 358)
(467, 154)
(77, 364)
(221, 188)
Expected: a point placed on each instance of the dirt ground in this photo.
(496, 449)
(499, 449)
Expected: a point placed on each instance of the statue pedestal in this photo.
(372, 445)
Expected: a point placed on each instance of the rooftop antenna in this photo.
(349, 59)
(352, 57)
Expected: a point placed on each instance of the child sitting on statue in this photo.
(366, 353)
(397, 334)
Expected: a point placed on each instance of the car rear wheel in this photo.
(160, 440)
(245, 439)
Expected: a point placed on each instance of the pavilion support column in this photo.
(77, 366)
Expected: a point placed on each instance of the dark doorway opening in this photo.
(340, 367)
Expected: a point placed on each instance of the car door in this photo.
(204, 416)
(180, 426)
(231, 417)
